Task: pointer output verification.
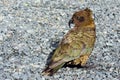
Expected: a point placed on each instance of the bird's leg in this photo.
(81, 60)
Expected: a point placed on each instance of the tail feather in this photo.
(48, 71)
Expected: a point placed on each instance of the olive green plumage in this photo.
(77, 45)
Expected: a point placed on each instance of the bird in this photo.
(77, 44)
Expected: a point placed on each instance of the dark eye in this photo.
(81, 19)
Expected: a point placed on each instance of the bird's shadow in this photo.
(50, 57)
(54, 45)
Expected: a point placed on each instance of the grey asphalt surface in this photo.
(31, 29)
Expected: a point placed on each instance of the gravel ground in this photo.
(31, 29)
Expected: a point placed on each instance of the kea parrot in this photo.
(77, 45)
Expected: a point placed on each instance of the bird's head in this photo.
(82, 18)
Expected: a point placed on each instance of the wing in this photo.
(69, 49)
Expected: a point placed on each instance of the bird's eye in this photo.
(81, 19)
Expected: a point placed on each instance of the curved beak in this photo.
(70, 22)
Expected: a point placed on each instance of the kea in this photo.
(77, 45)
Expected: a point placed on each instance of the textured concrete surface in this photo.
(31, 29)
